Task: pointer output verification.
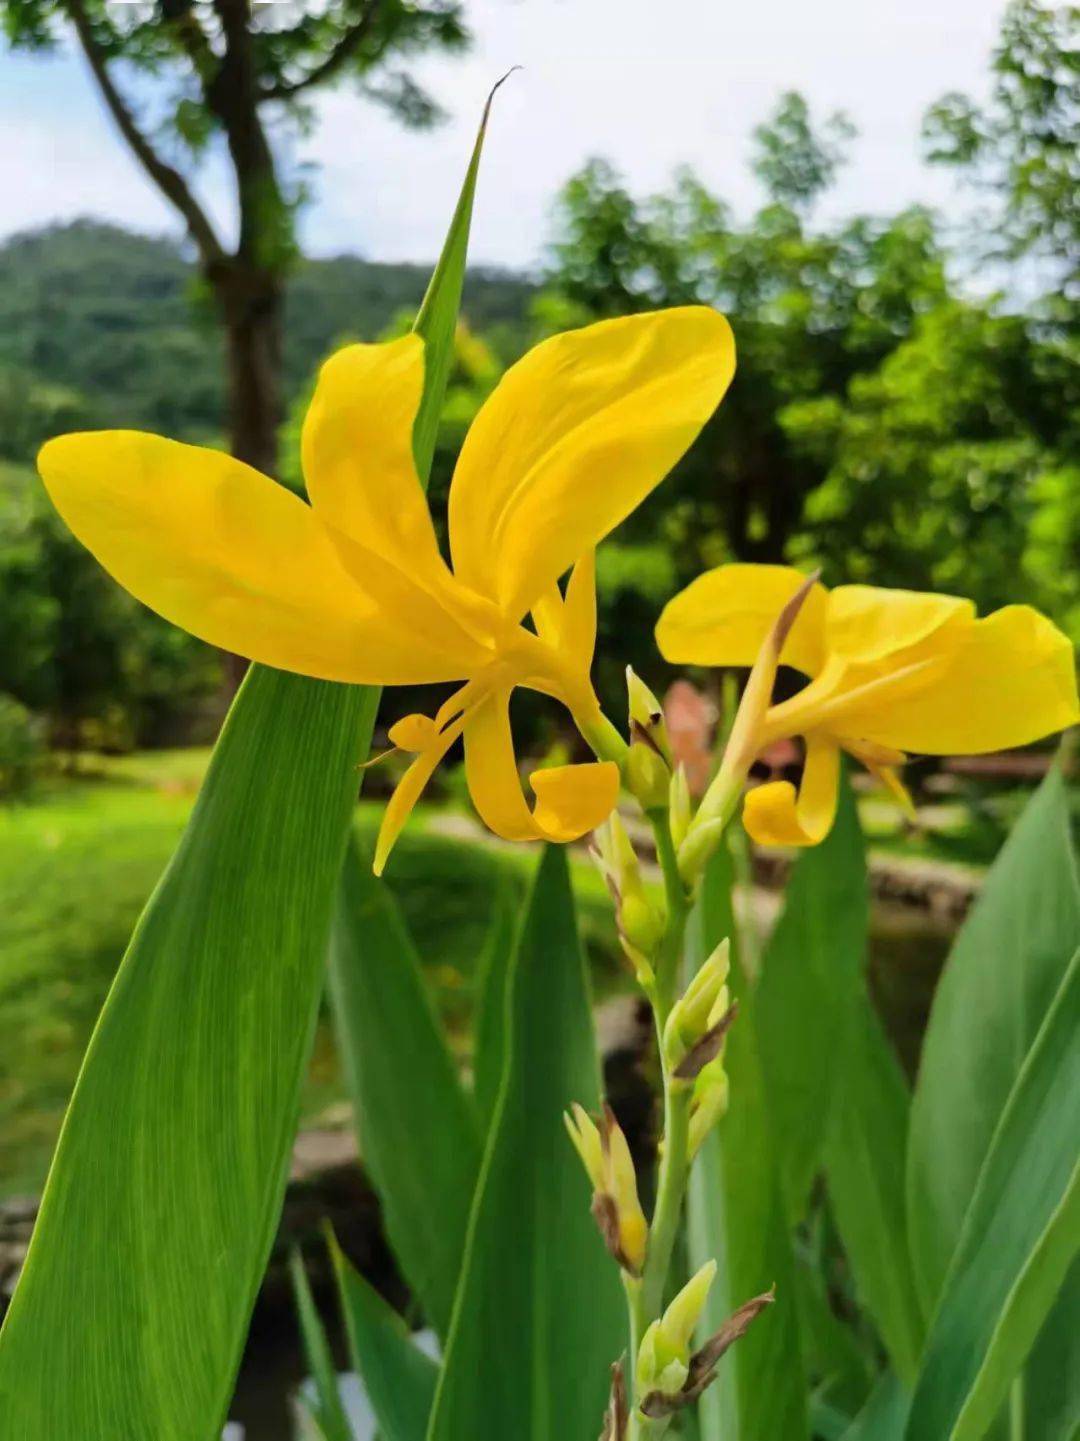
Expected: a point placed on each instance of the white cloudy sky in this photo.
(648, 85)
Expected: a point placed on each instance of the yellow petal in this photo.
(235, 559)
(1002, 681)
(568, 623)
(409, 790)
(866, 623)
(570, 800)
(723, 617)
(361, 476)
(573, 438)
(775, 815)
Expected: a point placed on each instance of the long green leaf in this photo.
(165, 1190)
(736, 1215)
(164, 1194)
(489, 1029)
(398, 1377)
(418, 1134)
(813, 966)
(1002, 975)
(329, 1412)
(1020, 1236)
(865, 1149)
(1050, 1391)
(884, 1416)
(539, 1317)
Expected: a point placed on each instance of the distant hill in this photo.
(116, 317)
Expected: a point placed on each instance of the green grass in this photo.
(77, 863)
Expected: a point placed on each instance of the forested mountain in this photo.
(100, 326)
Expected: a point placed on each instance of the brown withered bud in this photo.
(617, 1415)
(703, 1363)
(708, 1048)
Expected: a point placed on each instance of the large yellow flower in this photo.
(889, 671)
(353, 586)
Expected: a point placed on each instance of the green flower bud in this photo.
(680, 806)
(647, 777)
(647, 716)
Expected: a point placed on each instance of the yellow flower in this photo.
(890, 671)
(353, 587)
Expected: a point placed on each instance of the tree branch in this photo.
(338, 57)
(168, 179)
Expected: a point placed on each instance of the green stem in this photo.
(678, 910)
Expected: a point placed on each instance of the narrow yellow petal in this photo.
(775, 815)
(409, 790)
(571, 800)
(568, 623)
(866, 623)
(573, 438)
(723, 617)
(230, 556)
(1003, 681)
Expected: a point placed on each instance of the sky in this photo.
(649, 86)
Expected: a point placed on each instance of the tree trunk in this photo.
(251, 305)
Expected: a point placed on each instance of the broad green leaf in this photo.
(1021, 1234)
(539, 1317)
(1050, 1390)
(164, 1194)
(328, 1413)
(418, 1134)
(835, 1363)
(812, 968)
(884, 1416)
(736, 1215)
(490, 1025)
(165, 1190)
(865, 1146)
(1002, 975)
(398, 1377)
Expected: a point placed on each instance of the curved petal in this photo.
(723, 617)
(775, 815)
(571, 800)
(573, 438)
(568, 623)
(1004, 681)
(867, 623)
(356, 448)
(411, 786)
(235, 559)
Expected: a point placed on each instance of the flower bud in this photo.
(709, 1104)
(610, 1168)
(663, 1361)
(692, 1014)
(646, 776)
(679, 804)
(641, 923)
(647, 716)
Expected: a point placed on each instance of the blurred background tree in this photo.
(226, 72)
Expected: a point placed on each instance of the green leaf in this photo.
(438, 315)
(418, 1134)
(329, 1413)
(865, 1151)
(1021, 1234)
(165, 1191)
(736, 1215)
(1002, 975)
(489, 1048)
(398, 1377)
(539, 1316)
(812, 967)
(164, 1195)
(884, 1416)
(1051, 1382)
(836, 1364)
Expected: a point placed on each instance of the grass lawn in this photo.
(77, 864)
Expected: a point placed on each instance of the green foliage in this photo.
(103, 670)
(328, 1413)
(525, 1356)
(21, 747)
(793, 162)
(1021, 147)
(418, 1133)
